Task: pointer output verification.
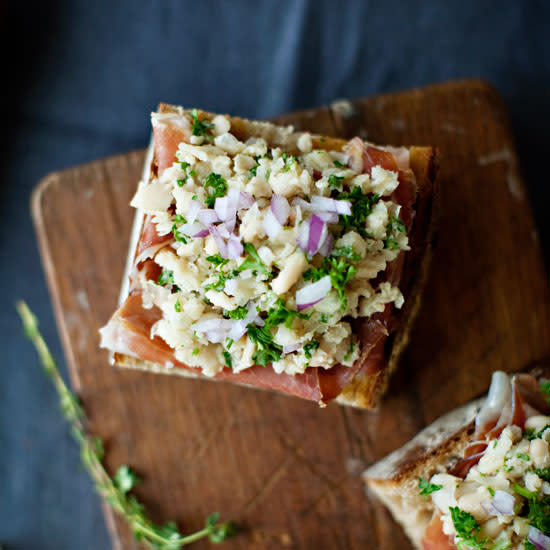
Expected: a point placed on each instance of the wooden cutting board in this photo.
(286, 470)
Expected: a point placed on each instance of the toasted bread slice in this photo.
(365, 388)
(436, 449)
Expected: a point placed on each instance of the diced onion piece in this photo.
(326, 204)
(280, 208)
(193, 211)
(503, 503)
(326, 246)
(245, 200)
(538, 538)
(317, 234)
(271, 225)
(208, 216)
(313, 293)
(291, 348)
(218, 239)
(214, 330)
(234, 247)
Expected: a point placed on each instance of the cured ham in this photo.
(511, 401)
(131, 325)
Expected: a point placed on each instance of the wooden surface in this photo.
(286, 470)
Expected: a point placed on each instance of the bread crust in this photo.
(437, 448)
(364, 390)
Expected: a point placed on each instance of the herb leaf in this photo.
(427, 488)
(338, 266)
(201, 127)
(310, 347)
(267, 350)
(228, 358)
(335, 181)
(254, 262)
(467, 528)
(361, 207)
(281, 314)
(218, 185)
(238, 313)
(166, 278)
(545, 389)
(115, 490)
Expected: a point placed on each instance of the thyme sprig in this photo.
(115, 490)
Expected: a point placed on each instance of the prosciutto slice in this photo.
(510, 402)
(129, 330)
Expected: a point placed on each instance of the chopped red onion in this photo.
(280, 208)
(326, 204)
(313, 293)
(201, 233)
(193, 211)
(291, 348)
(245, 200)
(503, 503)
(214, 330)
(271, 225)
(317, 234)
(239, 328)
(538, 538)
(313, 236)
(218, 239)
(234, 247)
(328, 217)
(208, 216)
(230, 287)
(326, 246)
(191, 229)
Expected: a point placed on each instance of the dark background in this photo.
(78, 82)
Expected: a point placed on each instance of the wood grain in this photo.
(286, 470)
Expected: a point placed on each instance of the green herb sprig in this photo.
(114, 490)
(426, 488)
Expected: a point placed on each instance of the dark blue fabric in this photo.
(84, 78)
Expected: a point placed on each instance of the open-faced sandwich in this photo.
(479, 477)
(274, 258)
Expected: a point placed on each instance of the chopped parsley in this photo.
(491, 491)
(186, 173)
(252, 171)
(338, 164)
(523, 456)
(324, 318)
(166, 278)
(394, 225)
(228, 359)
(289, 161)
(177, 306)
(361, 207)
(201, 127)
(543, 473)
(340, 269)
(254, 262)
(335, 181)
(539, 514)
(237, 314)
(426, 488)
(196, 351)
(311, 346)
(218, 185)
(217, 260)
(525, 493)
(178, 220)
(467, 529)
(531, 434)
(281, 314)
(267, 350)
